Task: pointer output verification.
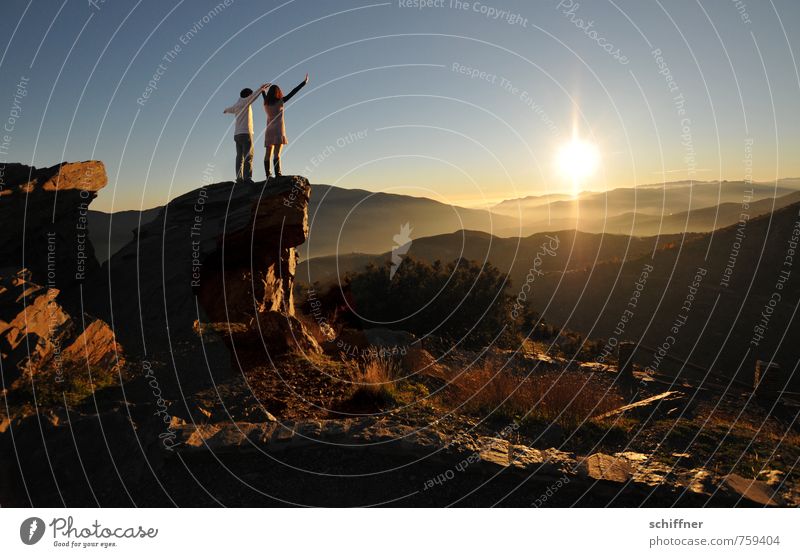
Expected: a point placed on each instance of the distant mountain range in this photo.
(644, 210)
(352, 221)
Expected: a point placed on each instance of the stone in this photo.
(197, 436)
(521, 456)
(427, 438)
(755, 491)
(550, 462)
(311, 429)
(234, 435)
(335, 429)
(699, 481)
(41, 340)
(225, 328)
(494, 451)
(284, 433)
(259, 414)
(601, 466)
(663, 401)
(773, 478)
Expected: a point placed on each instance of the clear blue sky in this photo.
(387, 71)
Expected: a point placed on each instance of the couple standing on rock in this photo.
(274, 136)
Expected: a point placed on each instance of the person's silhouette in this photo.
(275, 136)
(243, 132)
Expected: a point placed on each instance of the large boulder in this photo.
(223, 253)
(44, 223)
(254, 265)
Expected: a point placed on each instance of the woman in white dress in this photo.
(275, 136)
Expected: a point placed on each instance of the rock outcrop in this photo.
(44, 347)
(44, 223)
(218, 261)
(49, 344)
(254, 265)
(222, 255)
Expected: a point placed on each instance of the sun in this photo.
(577, 160)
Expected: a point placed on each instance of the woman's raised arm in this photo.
(295, 90)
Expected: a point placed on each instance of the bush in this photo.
(461, 301)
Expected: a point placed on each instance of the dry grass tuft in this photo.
(566, 398)
(374, 380)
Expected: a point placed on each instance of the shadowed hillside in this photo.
(111, 231)
(514, 256)
(353, 220)
(726, 318)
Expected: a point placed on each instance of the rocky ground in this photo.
(247, 442)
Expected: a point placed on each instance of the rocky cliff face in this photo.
(48, 344)
(44, 225)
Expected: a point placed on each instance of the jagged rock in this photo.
(41, 342)
(236, 435)
(550, 462)
(44, 223)
(134, 443)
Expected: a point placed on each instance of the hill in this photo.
(353, 220)
(110, 231)
(514, 256)
(720, 300)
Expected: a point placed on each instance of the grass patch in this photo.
(568, 399)
(374, 382)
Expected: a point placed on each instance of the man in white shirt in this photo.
(243, 132)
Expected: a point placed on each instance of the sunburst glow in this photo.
(577, 160)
